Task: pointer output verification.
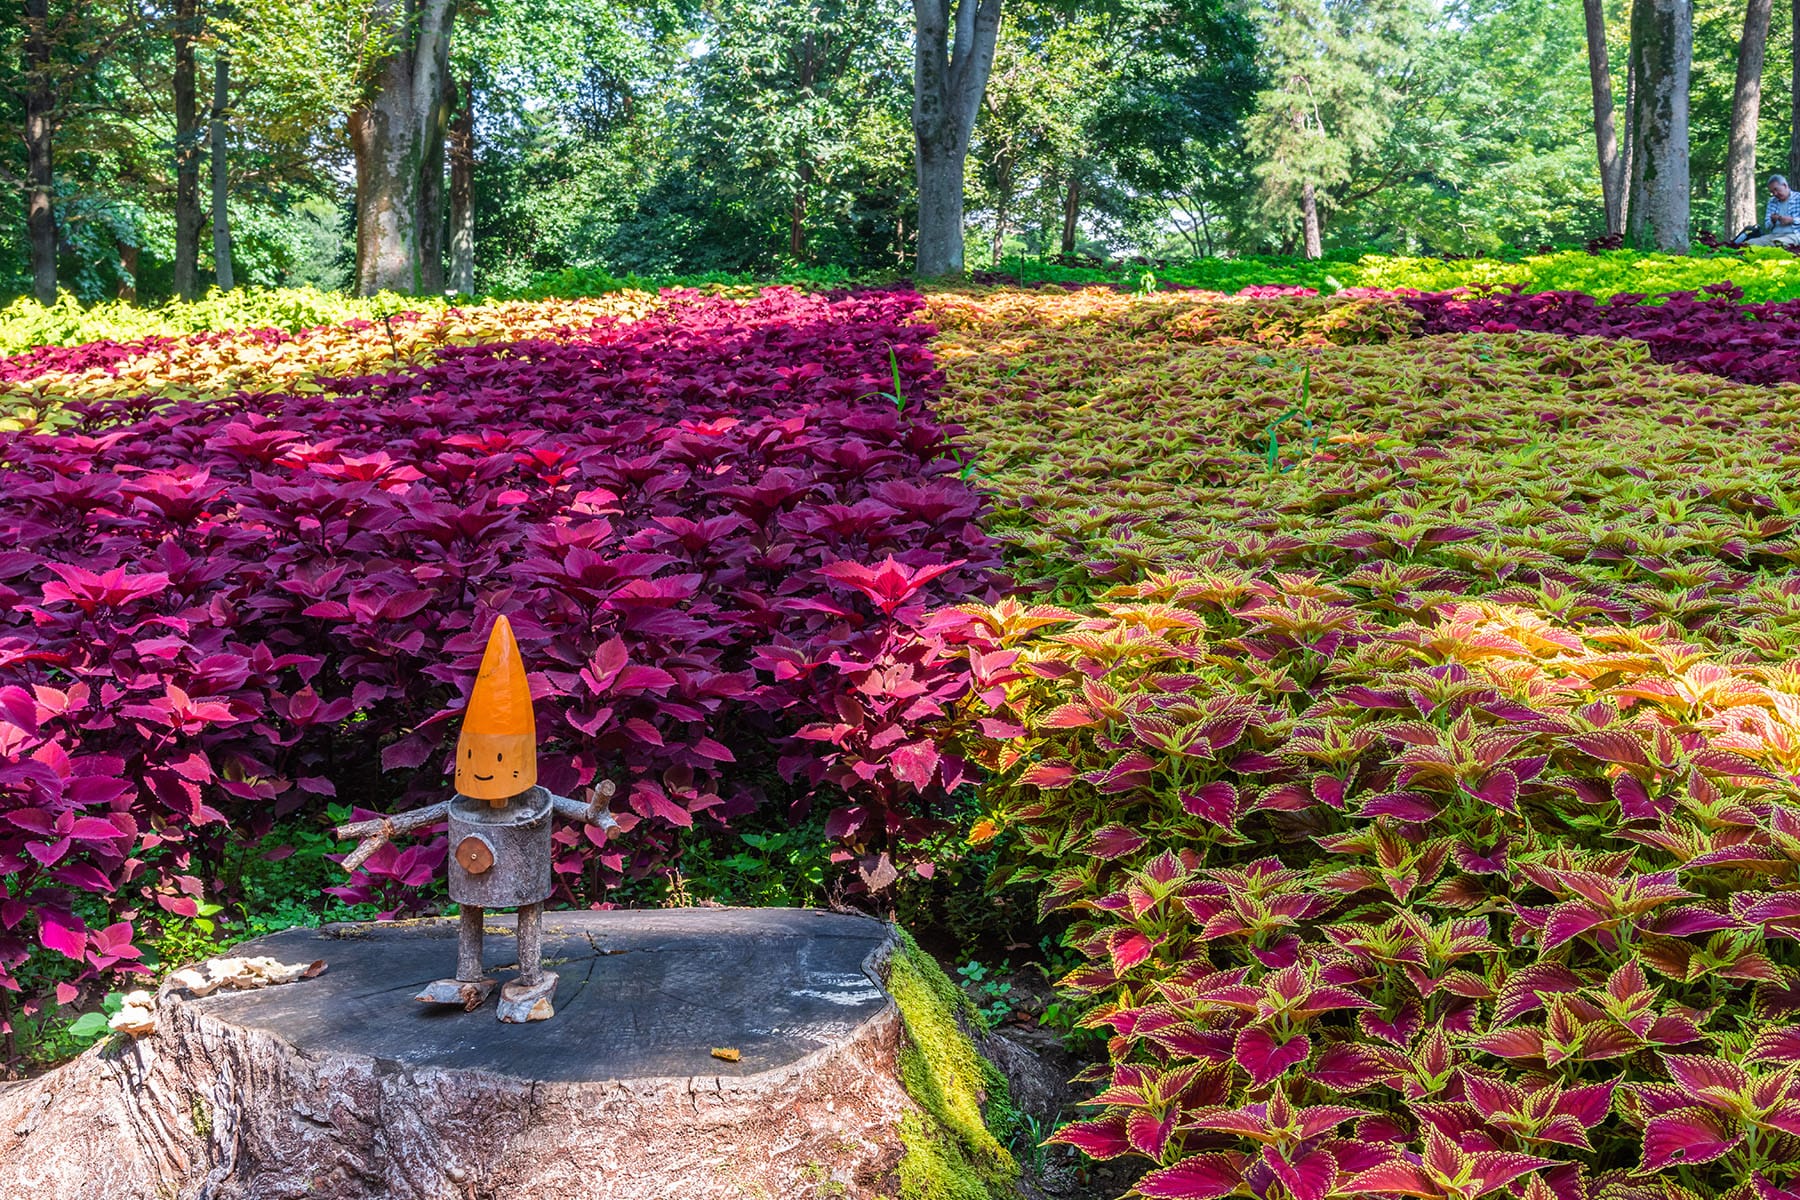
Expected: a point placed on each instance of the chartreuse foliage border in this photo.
(1763, 273)
(954, 1143)
(1411, 733)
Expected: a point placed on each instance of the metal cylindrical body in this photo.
(508, 847)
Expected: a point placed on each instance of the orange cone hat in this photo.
(496, 757)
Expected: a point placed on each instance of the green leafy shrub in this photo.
(1769, 273)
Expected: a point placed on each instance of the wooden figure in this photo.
(499, 835)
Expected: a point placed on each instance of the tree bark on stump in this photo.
(215, 1105)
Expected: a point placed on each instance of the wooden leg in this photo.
(528, 998)
(468, 943)
(470, 988)
(531, 943)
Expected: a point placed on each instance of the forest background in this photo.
(672, 137)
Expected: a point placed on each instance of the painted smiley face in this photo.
(499, 765)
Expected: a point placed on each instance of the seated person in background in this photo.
(1781, 219)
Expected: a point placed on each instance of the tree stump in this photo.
(343, 1086)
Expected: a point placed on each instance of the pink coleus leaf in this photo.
(1264, 1058)
(1688, 1136)
(64, 934)
(1202, 1177)
(1780, 1045)
(1495, 1169)
(1115, 841)
(1149, 1132)
(1398, 1177)
(1570, 920)
(1215, 803)
(1705, 1077)
(1101, 1138)
(1308, 1176)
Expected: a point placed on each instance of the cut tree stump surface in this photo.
(641, 994)
(344, 1086)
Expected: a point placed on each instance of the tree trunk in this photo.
(188, 217)
(1628, 159)
(1793, 169)
(461, 149)
(1071, 214)
(338, 1086)
(1309, 217)
(398, 137)
(1746, 105)
(1001, 203)
(1005, 166)
(797, 216)
(1662, 50)
(221, 222)
(1606, 141)
(128, 267)
(949, 80)
(40, 135)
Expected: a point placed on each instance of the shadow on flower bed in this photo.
(1711, 330)
(710, 529)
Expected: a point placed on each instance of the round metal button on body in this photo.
(474, 855)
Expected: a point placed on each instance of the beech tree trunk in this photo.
(188, 217)
(949, 80)
(221, 222)
(1662, 50)
(40, 136)
(461, 149)
(1071, 214)
(1606, 141)
(398, 137)
(1746, 104)
(1309, 216)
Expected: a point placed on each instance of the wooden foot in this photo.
(521, 1002)
(470, 993)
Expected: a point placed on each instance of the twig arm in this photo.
(594, 812)
(379, 831)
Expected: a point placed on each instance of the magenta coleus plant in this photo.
(1713, 330)
(710, 529)
(1467, 917)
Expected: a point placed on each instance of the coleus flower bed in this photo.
(1711, 330)
(712, 529)
(1413, 743)
(36, 385)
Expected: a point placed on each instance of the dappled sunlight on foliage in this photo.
(1413, 735)
(712, 529)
